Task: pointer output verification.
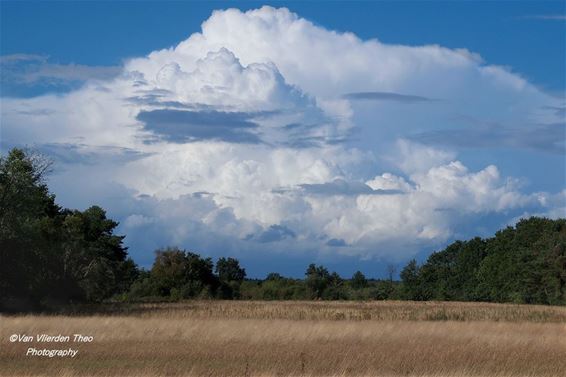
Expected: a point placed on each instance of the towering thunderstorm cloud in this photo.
(265, 133)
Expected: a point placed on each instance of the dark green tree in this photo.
(228, 269)
(50, 255)
(359, 280)
(522, 264)
(317, 279)
(27, 228)
(231, 276)
(412, 289)
(169, 269)
(93, 256)
(199, 277)
(335, 289)
(525, 264)
(273, 276)
(181, 274)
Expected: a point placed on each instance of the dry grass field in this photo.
(220, 338)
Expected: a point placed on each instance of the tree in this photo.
(391, 270)
(129, 273)
(334, 289)
(28, 230)
(411, 281)
(49, 254)
(24, 196)
(317, 279)
(185, 273)
(276, 287)
(359, 281)
(523, 264)
(228, 269)
(168, 268)
(93, 256)
(273, 276)
(199, 276)
(231, 276)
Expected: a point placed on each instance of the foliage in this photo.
(317, 279)
(176, 274)
(231, 276)
(522, 264)
(50, 254)
(359, 280)
(228, 269)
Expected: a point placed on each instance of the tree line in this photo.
(52, 256)
(523, 264)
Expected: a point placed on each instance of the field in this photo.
(222, 338)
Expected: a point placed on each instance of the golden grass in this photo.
(356, 311)
(212, 338)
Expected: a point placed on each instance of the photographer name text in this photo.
(47, 338)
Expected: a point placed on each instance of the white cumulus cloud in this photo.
(266, 128)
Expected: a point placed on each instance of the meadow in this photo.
(295, 338)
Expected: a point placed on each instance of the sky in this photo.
(357, 135)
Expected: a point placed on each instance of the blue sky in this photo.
(285, 136)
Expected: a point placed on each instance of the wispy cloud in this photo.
(87, 154)
(558, 110)
(182, 126)
(387, 96)
(30, 69)
(344, 188)
(13, 58)
(336, 242)
(549, 138)
(274, 233)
